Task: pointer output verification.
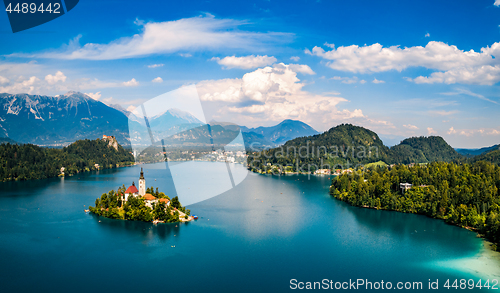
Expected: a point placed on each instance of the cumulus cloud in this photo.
(131, 82)
(453, 65)
(196, 33)
(155, 65)
(295, 58)
(22, 86)
(427, 35)
(497, 3)
(431, 131)
(377, 81)
(158, 80)
(275, 93)
(42, 82)
(409, 126)
(53, 79)
(474, 132)
(245, 62)
(301, 68)
(95, 96)
(4, 80)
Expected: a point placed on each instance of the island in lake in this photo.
(143, 204)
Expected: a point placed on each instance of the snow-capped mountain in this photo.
(61, 119)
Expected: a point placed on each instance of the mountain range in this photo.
(60, 120)
(283, 132)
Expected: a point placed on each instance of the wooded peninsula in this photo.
(465, 195)
(28, 161)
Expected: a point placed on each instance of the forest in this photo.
(28, 161)
(110, 205)
(461, 194)
(346, 146)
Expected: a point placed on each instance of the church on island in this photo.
(148, 198)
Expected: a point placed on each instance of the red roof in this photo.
(132, 189)
(148, 196)
(165, 200)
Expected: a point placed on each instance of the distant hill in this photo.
(339, 145)
(349, 145)
(283, 132)
(7, 140)
(59, 120)
(477, 152)
(422, 150)
(491, 156)
(171, 118)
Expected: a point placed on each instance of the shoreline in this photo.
(485, 264)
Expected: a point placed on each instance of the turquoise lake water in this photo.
(255, 237)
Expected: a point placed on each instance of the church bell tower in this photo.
(142, 184)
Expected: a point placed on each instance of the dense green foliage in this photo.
(346, 146)
(492, 157)
(464, 195)
(24, 162)
(110, 205)
(422, 150)
(337, 146)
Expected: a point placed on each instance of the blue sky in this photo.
(399, 68)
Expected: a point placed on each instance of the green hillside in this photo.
(28, 161)
(423, 150)
(492, 157)
(344, 145)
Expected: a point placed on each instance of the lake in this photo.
(255, 237)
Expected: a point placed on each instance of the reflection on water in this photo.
(146, 231)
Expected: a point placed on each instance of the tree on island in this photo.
(110, 205)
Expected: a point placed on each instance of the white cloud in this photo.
(409, 126)
(95, 96)
(459, 91)
(453, 65)
(27, 86)
(155, 65)
(3, 80)
(497, 3)
(273, 94)
(427, 35)
(362, 81)
(474, 132)
(346, 80)
(185, 55)
(131, 108)
(43, 83)
(196, 33)
(246, 62)
(53, 79)
(431, 131)
(295, 58)
(158, 80)
(443, 112)
(377, 81)
(301, 68)
(131, 82)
